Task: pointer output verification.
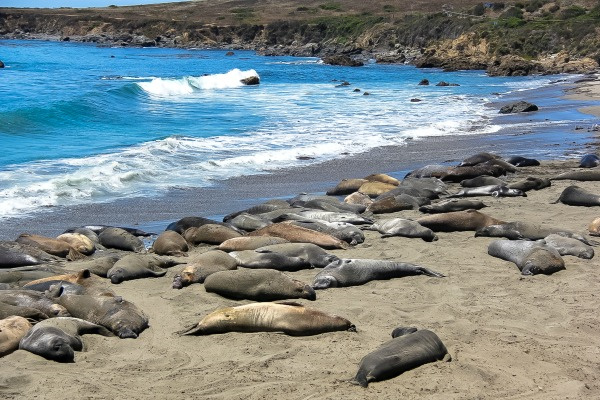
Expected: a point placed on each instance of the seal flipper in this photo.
(402, 330)
(429, 272)
(192, 330)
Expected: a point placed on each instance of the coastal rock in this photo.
(518, 107)
(424, 82)
(343, 60)
(512, 65)
(1, 64)
(251, 80)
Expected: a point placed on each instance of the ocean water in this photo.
(82, 124)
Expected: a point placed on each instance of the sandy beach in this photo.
(510, 336)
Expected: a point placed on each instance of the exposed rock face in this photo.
(424, 82)
(251, 80)
(520, 106)
(343, 60)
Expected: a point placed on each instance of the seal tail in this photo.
(192, 330)
(429, 272)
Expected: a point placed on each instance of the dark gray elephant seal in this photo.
(519, 161)
(569, 246)
(353, 272)
(312, 253)
(407, 350)
(269, 260)
(576, 196)
(138, 266)
(478, 159)
(396, 203)
(98, 266)
(585, 175)
(429, 171)
(530, 257)
(120, 316)
(267, 206)
(186, 223)
(202, 266)
(403, 227)
(32, 314)
(520, 230)
(490, 190)
(468, 220)
(589, 161)
(58, 338)
(117, 238)
(257, 285)
(452, 205)
(484, 180)
(13, 254)
(457, 174)
(531, 183)
(334, 205)
(170, 243)
(33, 299)
(248, 222)
(18, 277)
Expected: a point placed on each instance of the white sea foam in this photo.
(189, 84)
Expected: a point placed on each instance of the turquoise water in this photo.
(82, 124)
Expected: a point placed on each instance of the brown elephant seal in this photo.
(118, 238)
(393, 204)
(353, 272)
(374, 188)
(312, 253)
(202, 266)
(249, 243)
(403, 227)
(519, 161)
(384, 178)
(139, 266)
(170, 243)
(79, 242)
(434, 185)
(490, 190)
(52, 246)
(521, 230)
(589, 161)
(297, 234)
(77, 277)
(352, 236)
(468, 220)
(120, 316)
(33, 299)
(452, 205)
(57, 339)
(257, 285)
(209, 233)
(287, 317)
(408, 349)
(530, 257)
(594, 227)
(576, 196)
(269, 260)
(531, 183)
(457, 174)
(358, 198)
(186, 223)
(569, 246)
(585, 175)
(19, 276)
(97, 266)
(483, 180)
(346, 186)
(12, 329)
(478, 158)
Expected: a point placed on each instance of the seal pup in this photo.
(257, 285)
(346, 186)
(269, 260)
(468, 220)
(589, 161)
(353, 272)
(403, 227)
(202, 266)
(594, 227)
(519, 161)
(530, 257)
(249, 243)
(12, 329)
(409, 349)
(576, 196)
(297, 234)
(569, 246)
(288, 317)
(452, 205)
(57, 339)
(117, 238)
(170, 243)
(312, 253)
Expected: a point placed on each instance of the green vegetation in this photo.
(331, 6)
(243, 14)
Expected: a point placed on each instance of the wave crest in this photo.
(189, 84)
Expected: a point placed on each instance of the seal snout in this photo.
(310, 293)
(178, 282)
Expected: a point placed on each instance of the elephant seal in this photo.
(478, 158)
(98, 229)
(452, 205)
(202, 266)
(12, 329)
(138, 266)
(468, 220)
(51, 246)
(329, 216)
(531, 183)
(77, 277)
(350, 236)
(407, 350)
(520, 230)
(385, 178)
(297, 234)
(374, 189)
(32, 314)
(267, 206)
(57, 339)
(353, 272)
(396, 203)
(434, 185)
(358, 198)
(429, 171)
(346, 186)
(249, 243)
(530, 257)
(457, 174)
(79, 242)
(312, 253)
(186, 223)
(257, 285)
(589, 161)
(519, 161)
(594, 227)
(32, 299)
(403, 227)
(88, 233)
(13, 254)
(334, 205)
(569, 246)
(490, 190)
(483, 180)
(288, 317)
(97, 266)
(269, 260)
(576, 196)
(120, 316)
(588, 175)
(248, 222)
(21, 275)
(209, 233)
(170, 243)
(117, 238)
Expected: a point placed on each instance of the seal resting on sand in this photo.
(407, 350)
(403, 227)
(288, 317)
(249, 243)
(12, 329)
(594, 227)
(202, 266)
(452, 205)
(137, 266)
(52, 246)
(576, 196)
(118, 238)
(297, 234)
(530, 257)
(468, 220)
(269, 260)
(170, 243)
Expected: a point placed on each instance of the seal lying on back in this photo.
(287, 317)
(407, 350)
(58, 338)
(403, 227)
(12, 329)
(576, 196)
(530, 257)
(468, 220)
(353, 272)
(257, 285)
(452, 205)
(79, 242)
(586, 175)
